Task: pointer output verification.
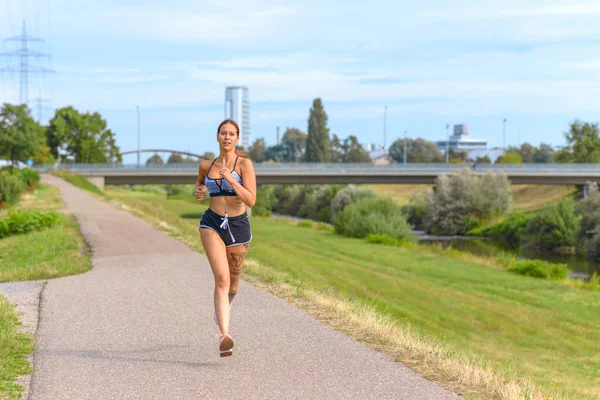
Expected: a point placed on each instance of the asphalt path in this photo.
(140, 325)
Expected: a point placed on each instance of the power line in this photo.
(24, 68)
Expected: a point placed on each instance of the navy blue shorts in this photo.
(232, 230)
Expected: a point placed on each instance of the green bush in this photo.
(460, 202)
(552, 227)
(415, 213)
(588, 236)
(290, 199)
(373, 215)
(510, 231)
(305, 224)
(11, 187)
(347, 195)
(539, 269)
(30, 176)
(265, 201)
(20, 221)
(381, 239)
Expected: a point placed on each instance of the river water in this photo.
(580, 265)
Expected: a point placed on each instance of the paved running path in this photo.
(139, 326)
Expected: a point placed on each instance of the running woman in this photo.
(225, 226)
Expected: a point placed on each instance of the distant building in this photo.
(377, 154)
(461, 141)
(237, 108)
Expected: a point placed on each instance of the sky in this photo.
(432, 63)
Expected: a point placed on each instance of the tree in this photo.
(335, 150)
(20, 134)
(417, 151)
(527, 151)
(584, 140)
(175, 158)
(257, 151)
(85, 136)
(317, 141)
(510, 157)
(155, 160)
(209, 155)
(275, 153)
(353, 152)
(294, 143)
(543, 155)
(43, 156)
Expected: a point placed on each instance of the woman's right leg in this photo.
(217, 257)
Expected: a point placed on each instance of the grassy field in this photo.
(526, 197)
(516, 326)
(14, 348)
(54, 252)
(51, 253)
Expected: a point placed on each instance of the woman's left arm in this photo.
(247, 192)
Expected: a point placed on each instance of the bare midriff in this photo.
(232, 205)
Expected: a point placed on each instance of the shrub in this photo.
(510, 231)
(11, 187)
(373, 215)
(18, 222)
(415, 212)
(460, 202)
(589, 229)
(265, 201)
(553, 227)
(305, 224)
(30, 176)
(381, 239)
(347, 195)
(290, 199)
(539, 269)
(316, 204)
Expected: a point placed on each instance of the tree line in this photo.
(84, 137)
(315, 146)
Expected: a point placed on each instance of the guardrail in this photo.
(545, 168)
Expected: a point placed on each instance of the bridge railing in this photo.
(300, 167)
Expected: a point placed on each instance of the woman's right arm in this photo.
(200, 186)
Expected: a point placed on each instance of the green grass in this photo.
(535, 328)
(14, 348)
(80, 181)
(54, 252)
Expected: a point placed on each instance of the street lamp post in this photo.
(405, 148)
(384, 121)
(504, 134)
(447, 142)
(138, 134)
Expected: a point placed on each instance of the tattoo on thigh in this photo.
(236, 260)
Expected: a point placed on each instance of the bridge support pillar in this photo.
(98, 181)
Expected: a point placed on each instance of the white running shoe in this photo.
(225, 344)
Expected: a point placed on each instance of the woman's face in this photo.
(227, 137)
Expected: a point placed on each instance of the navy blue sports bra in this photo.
(220, 187)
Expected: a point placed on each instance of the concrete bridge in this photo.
(313, 173)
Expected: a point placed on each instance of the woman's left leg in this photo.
(235, 257)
